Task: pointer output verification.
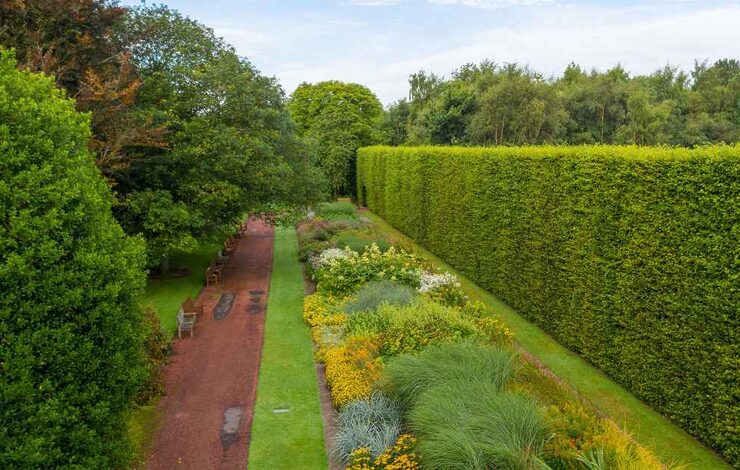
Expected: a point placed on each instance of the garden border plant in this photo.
(355, 347)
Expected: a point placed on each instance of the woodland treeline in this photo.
(510, 104)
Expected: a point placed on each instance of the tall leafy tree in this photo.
(339, 118)
(71, 333)
(231, 144)
(75, 42)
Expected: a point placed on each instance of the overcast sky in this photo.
(380, 42)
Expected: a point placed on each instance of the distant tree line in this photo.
(510, 104)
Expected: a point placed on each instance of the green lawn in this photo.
(670, 443)
(168, 294)
(287, 378)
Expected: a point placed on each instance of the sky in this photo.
(379, 43)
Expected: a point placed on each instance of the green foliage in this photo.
(70, 279)
(509, 104)
(339, 118)
(625, 255)
(337, 210)
(378, 293)
(373, 423)
(408, 376)
(157, 346)
(469, 425)
(359, 243)
(231, 146)
(416, 326)
(343, 276)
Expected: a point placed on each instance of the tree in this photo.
(394, 123)
(70, 329)
(339, 117)
(75, 42)
(230, 145)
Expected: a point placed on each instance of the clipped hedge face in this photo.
(70, 330)
(628, 256)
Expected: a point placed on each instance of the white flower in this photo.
(330, 255)
(429, 282)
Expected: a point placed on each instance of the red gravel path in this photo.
(217, 368)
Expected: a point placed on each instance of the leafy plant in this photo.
(416, 326)
(373, 423)
(351, 369)
(71, 329)
(345, 275)
(340, 210)
(377, 293)
(399, 457)
(360, 244)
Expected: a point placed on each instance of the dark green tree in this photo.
(231, 143)
(71, 332)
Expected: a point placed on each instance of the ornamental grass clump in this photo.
(408, 376)
(378, 293)
(340, 210)
(373, 423)
(464, 424)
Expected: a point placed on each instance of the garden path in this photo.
(211, 379)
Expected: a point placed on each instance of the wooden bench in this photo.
(191, 307)
(185, 322)
(213, 275)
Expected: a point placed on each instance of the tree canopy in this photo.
(492, 104)
(339, 118)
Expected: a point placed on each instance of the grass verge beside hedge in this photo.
(287, 377)
(625, 255)
(649, 428)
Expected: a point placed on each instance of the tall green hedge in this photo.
(628, 256)
(71, 331)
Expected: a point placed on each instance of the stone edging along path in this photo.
(211, 379)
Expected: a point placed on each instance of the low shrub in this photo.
(416, 326)
(399, 457)
(373, 423)
(443, 288)
(324, 338)
(377, 293)
(352, 369)
(408, 376)
(319, 309)
(157, 347)
(340, 210)
(494, 331)
(612, 449)
(360, 244)
(343, 275)
(464, 424)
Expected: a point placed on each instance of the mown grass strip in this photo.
(670, 443)
(287, 431)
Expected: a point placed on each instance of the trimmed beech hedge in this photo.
(629, 256)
